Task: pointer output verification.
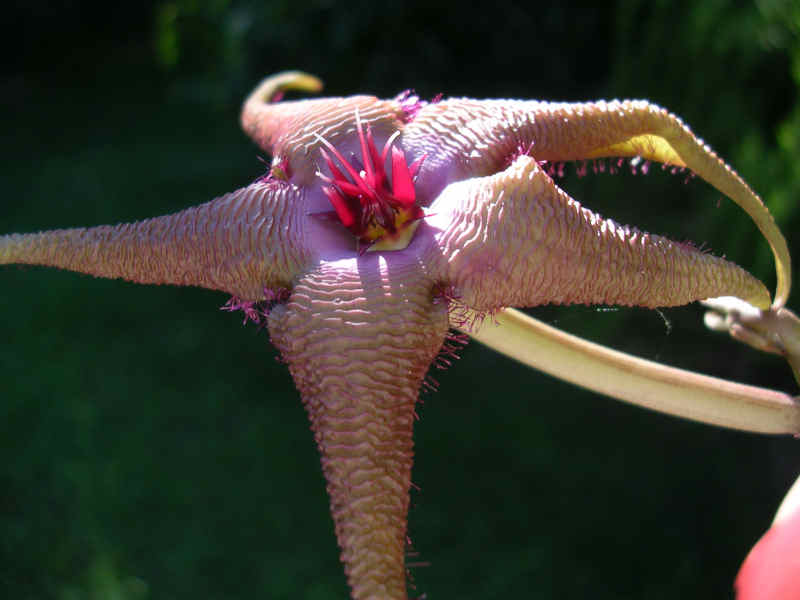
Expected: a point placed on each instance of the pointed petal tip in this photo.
(739, 287)
(760, 298)
(286, 81)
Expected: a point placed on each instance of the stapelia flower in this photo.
(380, 215)
(360, 330)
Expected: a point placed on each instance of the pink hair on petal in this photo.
(410, 104)
(256, 310)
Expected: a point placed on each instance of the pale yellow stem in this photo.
(638, 381)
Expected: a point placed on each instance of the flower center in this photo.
(383, 215)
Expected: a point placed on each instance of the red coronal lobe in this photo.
(772, 569)
(365, 202)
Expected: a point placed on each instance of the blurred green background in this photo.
(152, 447)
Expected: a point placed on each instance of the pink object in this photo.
(772, 569)
(364, 201)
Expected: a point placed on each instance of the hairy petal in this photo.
(359, 335)
(240, 243)
(516, 239)
(291, 131)
(477, 138)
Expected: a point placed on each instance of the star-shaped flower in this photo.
(359, 261)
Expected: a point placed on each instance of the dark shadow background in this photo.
(152, 447)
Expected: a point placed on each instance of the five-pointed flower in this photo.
(460, 215)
